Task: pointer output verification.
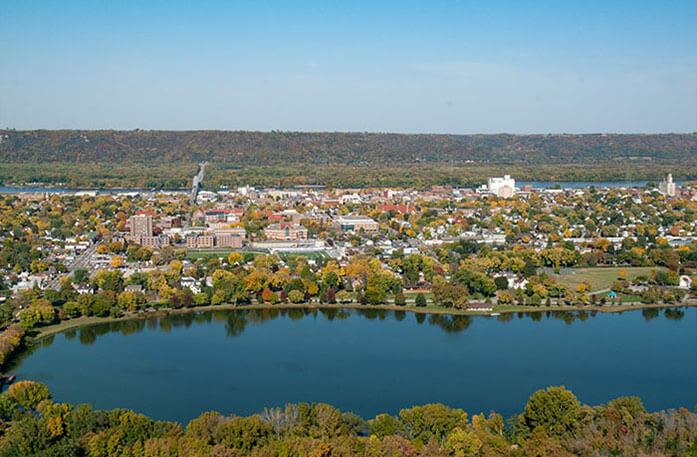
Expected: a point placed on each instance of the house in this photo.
(191, 283)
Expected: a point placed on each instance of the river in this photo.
(368, 362)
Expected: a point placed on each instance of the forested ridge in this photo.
(293, 148)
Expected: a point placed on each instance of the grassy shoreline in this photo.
(86, 321)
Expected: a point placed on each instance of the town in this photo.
(490, 249)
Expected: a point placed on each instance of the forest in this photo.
(553, 423)
(168, 159)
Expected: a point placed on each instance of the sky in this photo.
(404, 66)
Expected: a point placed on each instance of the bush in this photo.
(420, 300)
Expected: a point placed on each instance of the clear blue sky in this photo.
(398, 66)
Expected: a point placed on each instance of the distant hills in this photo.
(242, 148)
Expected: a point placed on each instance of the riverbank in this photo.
(86, 321)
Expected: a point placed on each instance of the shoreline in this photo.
(86, 321)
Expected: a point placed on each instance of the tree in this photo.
(400, 299)
(234, 258)
(36, 314)
(204, 426)
(109, 280)
(128, 300)
(420, 300)
(383, 425)
(556, 410)
(29, 394)
(462, 443)
(344, 296)
(295, 296)
(244, 433)
(530, 269)
(81, 276)
(116, 261)
(501, 282)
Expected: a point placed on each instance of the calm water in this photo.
(369, 362)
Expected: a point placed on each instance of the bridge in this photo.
(198, 179)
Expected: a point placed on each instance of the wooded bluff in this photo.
(168, 159)
(288, 148)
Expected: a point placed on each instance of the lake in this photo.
(368, 362)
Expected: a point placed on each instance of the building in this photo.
(216, 215)
(136, 288)
(227, 238)
(155, 242)
(356, 223)
(402, 209)
(205, 241)
(191, 283)
(285, 231)
(667, 187)
(502, 187)
(141, 225)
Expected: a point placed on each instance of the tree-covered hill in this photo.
(241, 148)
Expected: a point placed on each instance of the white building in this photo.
(502, 187)
(192, 284)
(667, 187)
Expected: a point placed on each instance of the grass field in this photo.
(312, 255)
(600, 278)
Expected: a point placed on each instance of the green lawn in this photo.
(600, 278)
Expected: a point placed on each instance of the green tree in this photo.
(556, 410)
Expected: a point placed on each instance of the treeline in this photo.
(178, 175)
(242, 148)
(553, 423)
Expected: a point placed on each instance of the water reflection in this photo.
(236, 321)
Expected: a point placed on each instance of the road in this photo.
(80, 261)
(196, 183)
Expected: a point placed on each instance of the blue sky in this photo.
(397, 66)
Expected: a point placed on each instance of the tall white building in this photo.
(502, 187)
(667, 187)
